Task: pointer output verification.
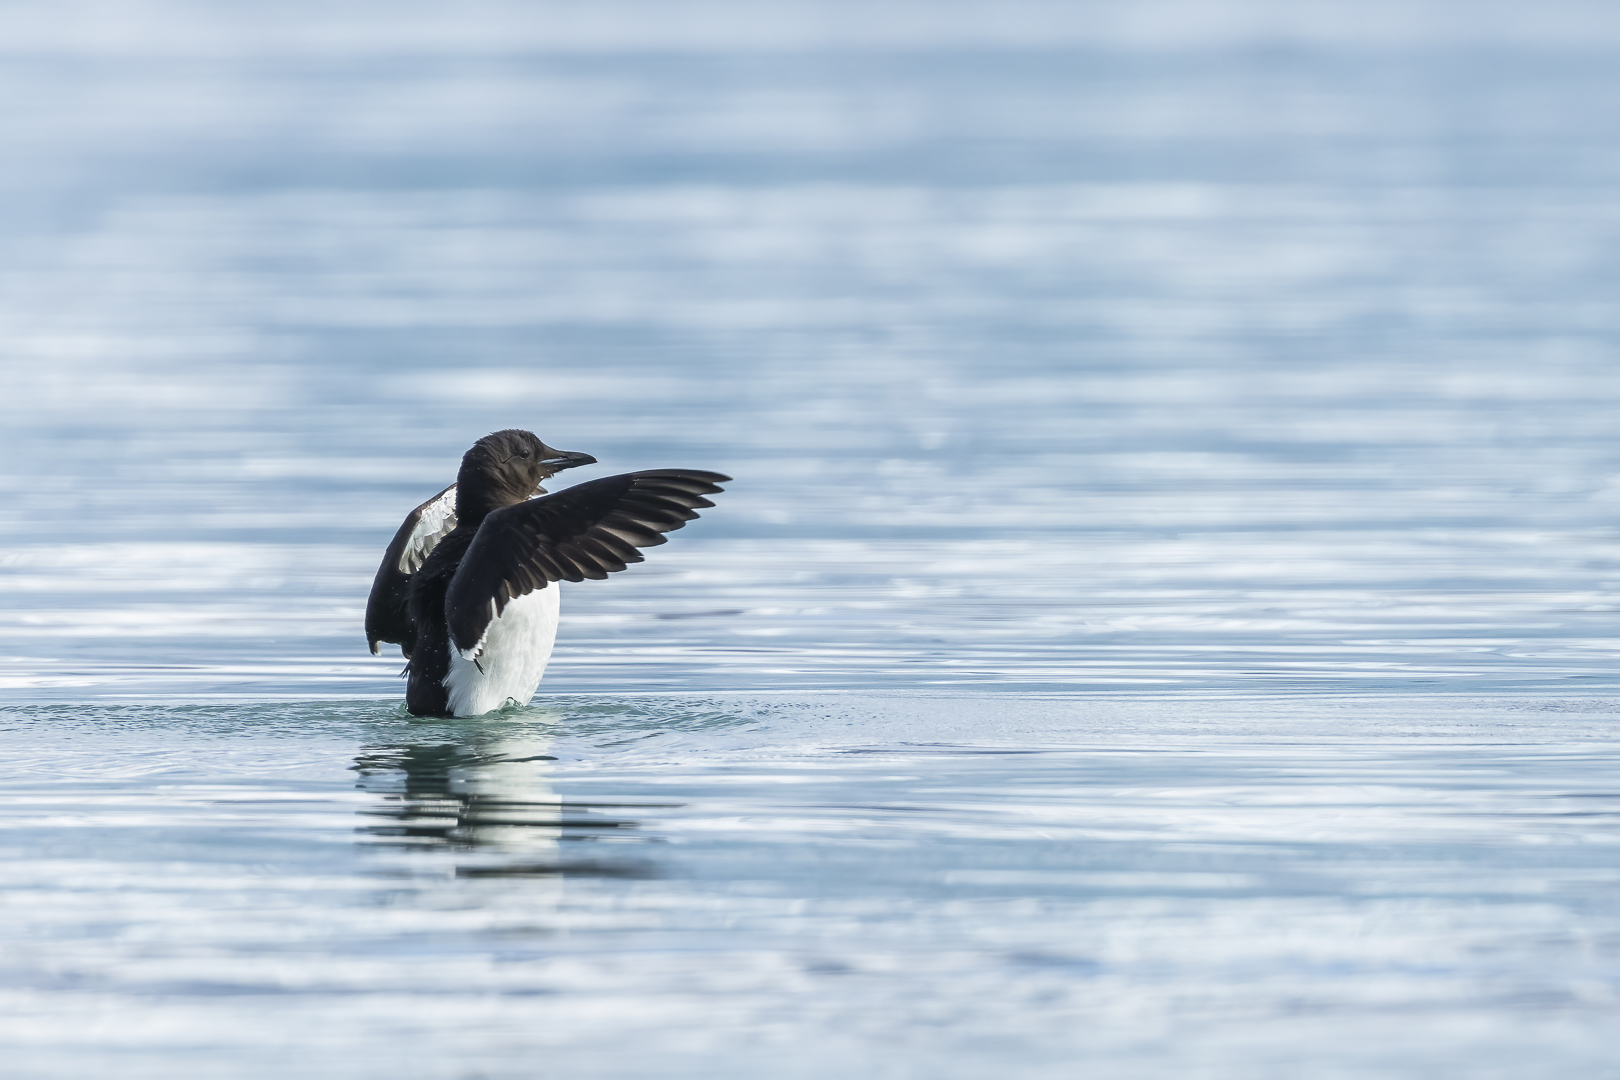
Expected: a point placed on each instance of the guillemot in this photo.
(466, 588)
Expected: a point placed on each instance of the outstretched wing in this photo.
(386, 616)
(587, 531)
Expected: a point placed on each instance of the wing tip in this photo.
(701, 476)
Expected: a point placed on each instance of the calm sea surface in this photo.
(1166, 622)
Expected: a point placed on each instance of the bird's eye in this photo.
(523, 453)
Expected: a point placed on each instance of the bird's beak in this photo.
(564, 459)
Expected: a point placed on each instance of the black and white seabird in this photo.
(465, 588)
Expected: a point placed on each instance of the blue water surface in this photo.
(1163, 624)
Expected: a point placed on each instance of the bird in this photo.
(468, 586)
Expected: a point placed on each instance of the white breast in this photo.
(513, 659)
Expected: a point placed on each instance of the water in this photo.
(695, 886)
(1163, 623)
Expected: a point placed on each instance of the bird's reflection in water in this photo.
(488, 801)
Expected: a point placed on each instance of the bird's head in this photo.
(507, 467)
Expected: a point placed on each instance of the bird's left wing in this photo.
(588, 531)
(387, 617)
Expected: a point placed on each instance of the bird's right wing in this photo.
(387, 616)
(587, 531)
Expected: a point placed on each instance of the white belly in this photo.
(514, 657)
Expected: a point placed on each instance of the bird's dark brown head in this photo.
(506, 468)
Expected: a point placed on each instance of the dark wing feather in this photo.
(588, 531)
(387, 618)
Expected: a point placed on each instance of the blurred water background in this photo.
(1164, 623)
